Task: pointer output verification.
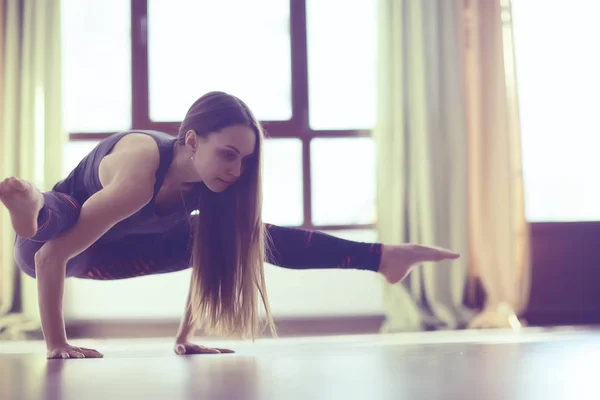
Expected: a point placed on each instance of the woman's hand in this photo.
(190, 348)
(68, 351)
(397, 261)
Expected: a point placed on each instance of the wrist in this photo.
(183, 337)
(186, 330)
(53, 328)
(56, 343)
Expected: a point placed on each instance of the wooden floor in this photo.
(487, 365)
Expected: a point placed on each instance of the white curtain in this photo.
(31, 135)
(422, 157)
(449, 160)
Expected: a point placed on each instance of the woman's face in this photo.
(221, 157)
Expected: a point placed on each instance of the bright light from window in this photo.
(342, 69)
(237, 46)
(96, 59)
(343, 181)
(557, 64)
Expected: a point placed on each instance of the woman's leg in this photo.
(136, 255)
(59, 213)
(139, 255)
(303, 249)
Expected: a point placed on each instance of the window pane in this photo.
(342, 55)
(96, 60)
(283, 198)
(196, 46)
(74, 152)
(557, 71)
(327, 291)
(343, 181)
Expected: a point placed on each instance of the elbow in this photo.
(50, 256)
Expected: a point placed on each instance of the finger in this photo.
(180, 349)
(225, 350)
(195, 349)
(54, 354)
(90, 353)
(76, 354)
(208, 350)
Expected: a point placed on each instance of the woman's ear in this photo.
(191, 140)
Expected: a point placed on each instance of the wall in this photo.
(565, 285)
(291, 293)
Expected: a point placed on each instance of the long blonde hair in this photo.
(230, 242)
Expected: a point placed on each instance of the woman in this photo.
(144, 202)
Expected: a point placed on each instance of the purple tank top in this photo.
(84, 181)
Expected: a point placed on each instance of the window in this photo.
(306, 67)
(558, 84)
(308, 74)
(351, 182)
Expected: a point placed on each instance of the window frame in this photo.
(297, 127)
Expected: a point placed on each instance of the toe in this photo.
(17, 184)
(448, 255)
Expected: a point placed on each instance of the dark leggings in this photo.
(146, 254)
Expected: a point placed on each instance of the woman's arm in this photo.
(128, 180)
(185, 334)
(186, 328)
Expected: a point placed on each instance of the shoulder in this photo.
(134, 158)
(134, 143)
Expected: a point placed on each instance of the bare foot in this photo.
(24, 203)
(397, 261)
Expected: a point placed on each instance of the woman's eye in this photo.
(230, 155)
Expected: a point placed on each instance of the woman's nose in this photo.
(236, 169)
